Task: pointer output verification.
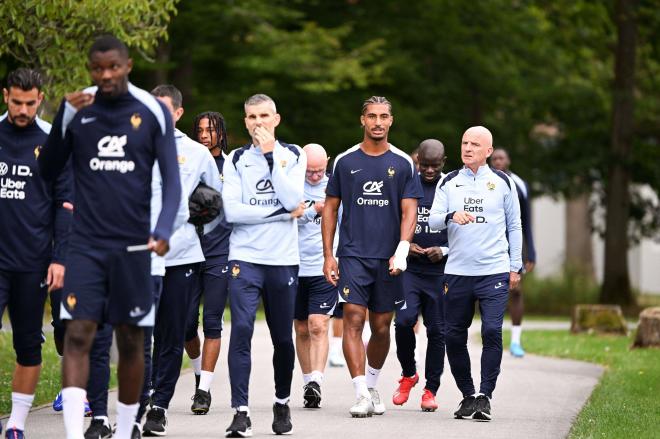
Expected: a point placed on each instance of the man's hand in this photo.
(159, 247)
(393, 271)
(514, 280)
(318, 206)
(461, 218)
(434, 254)
(55, 276)
(264, 139)
(529, 266)
(331, 270)
(416, 250)
(79, 99)
(299, 210)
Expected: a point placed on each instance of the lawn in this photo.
(626, 402)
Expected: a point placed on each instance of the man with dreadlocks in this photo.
(209, 130)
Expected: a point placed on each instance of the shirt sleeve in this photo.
(288, 183)
(309, 215)
(62, 193)
(235, 210)
(211, 177)
(55, 153)
(182, 212)
(412, 187)
(526, 220)
(513, 227)
(439, 215)
(334, 183)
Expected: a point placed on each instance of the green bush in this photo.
(556, 295)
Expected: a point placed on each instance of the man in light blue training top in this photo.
(479, 207)
(262, 196)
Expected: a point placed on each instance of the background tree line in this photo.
(541, 74)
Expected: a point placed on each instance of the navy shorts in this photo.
(213, 285)
(315, 296)
(367, 282)
(108, 286)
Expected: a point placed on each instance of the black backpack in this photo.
(204, 204)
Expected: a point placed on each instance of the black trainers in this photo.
(482, 409)
(281, 419)
(135, 434)
(201, 402)
(98, 429)
(197, 378)
(312, 395)
(156, 423)
(240, 426)
(466, 408)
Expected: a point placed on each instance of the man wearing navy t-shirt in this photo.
(377, 186)
(113, 133)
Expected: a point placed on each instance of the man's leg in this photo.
(432, 312)
(516, 310)
(193, 344)
(318, 352)
(303, 347)
(130, 374)
(404, 334)
(99, 378)
(336, 354)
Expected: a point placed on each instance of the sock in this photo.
(372, 377)
(197, 365)
(125, 419)
(243, 408)
(73, 400)
(317, 376)
(515, 334)
(360, 386)
(307, 377)
(205, 380)
(20, 407)
(282, 400)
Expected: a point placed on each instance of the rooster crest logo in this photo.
(346, 291)
(37, 151)
(491, 186)
(136, 121)
(71, 301)
(235, 271)
(391, 171)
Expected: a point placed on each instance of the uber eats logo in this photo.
(264, 187)
(10, 186)
(474, 205)
(372, 193)
(112, 147)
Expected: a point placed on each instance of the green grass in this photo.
(626, 402)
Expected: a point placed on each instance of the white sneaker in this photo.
(363, 408)
(379, 407)
(337, 359)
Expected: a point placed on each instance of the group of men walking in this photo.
(103, 194)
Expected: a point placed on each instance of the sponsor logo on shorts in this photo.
(324, 306)
(499, 285)
(189, 272)
(225, 269)
(43, 284)
(396, 302)
(71, 301)
(291, 280)
(136, 312)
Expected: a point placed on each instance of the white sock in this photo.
(243, 408)
(360, 386)
(20, 407)
(73, 401)
(197, 364)
(515, 334)
(372, 377)
(205, 380)
(317, 376)
(125, 419)
(307, 377)
(282, 400)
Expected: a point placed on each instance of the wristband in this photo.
(400, 256)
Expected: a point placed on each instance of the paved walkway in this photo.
(536, 397)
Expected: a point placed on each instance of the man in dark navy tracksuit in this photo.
(34, 225)
(113, 135)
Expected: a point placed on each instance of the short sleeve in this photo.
(334, 183)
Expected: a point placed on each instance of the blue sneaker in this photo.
(517, 350)
(13, 433)
(57, 403)
(88, 410)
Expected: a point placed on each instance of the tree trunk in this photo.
(579, 252)
(616, 284)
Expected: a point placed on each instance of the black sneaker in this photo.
(241, 426)
(201, 402)
(135, 434)
(156, 423)
(482, 409)
(466, 408)
(197, 378)
(281, 419)
(312, 395)
(98, 429)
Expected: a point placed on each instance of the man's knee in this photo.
(302, 328)
(79, 336)
(491, 334)
(28, 348)
(318, 325)
(130, 340)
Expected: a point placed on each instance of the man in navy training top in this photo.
(422, 283)
(479, 208)
(113, 138)
(316, 300)
(209, 130)
(34, 227)
(500, 161)
(377, 186)
(262, 197)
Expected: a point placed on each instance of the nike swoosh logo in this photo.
(324, 306)
(355, 171)
(247, 166)
(43, 284)
(399, 301)
(499, 285)
(291, 281)
(86, 120)
(189, 273)
(460, 185)
(226, 269)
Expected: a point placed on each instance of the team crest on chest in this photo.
(181, 159)
(446, 288)
(391, 171)
(136, 121)
(490, 185)
(37, 151)
(283, 163)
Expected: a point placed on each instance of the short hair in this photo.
(376, 100)
(106, 43)
(169, 91)
(25, 79)
(257, 99)
(217, 124)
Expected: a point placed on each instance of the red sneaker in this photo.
(403, 392)
(428, 401)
